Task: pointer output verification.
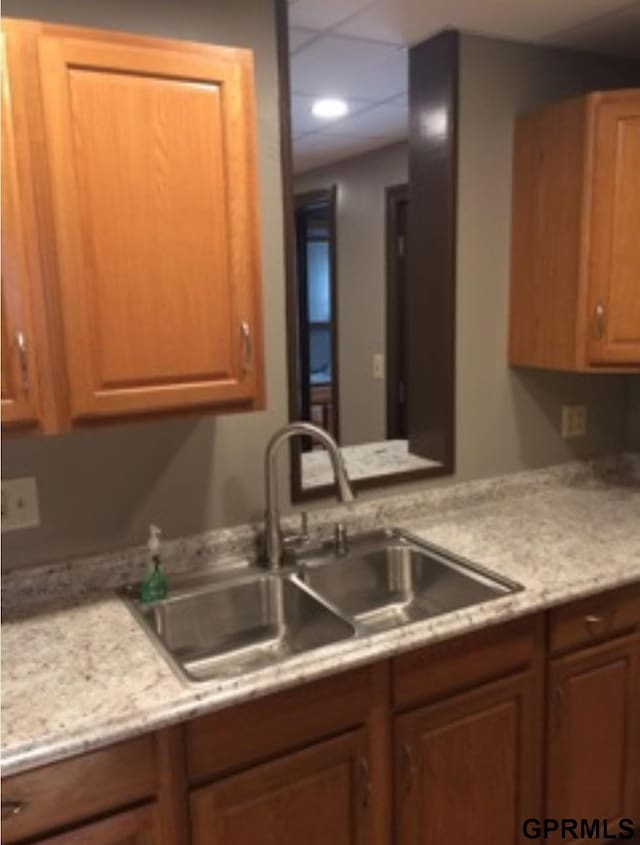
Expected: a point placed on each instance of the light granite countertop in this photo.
(365, 460)
(84, 675)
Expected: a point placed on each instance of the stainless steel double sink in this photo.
(223, 625)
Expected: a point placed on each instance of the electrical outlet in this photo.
(574, 421)
(378, 365)
(20, 504)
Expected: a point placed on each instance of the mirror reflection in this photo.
(351, 206)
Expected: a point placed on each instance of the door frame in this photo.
(394, 195)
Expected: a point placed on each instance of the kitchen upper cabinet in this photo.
(146, 154)
(316, 796)
(575, 264)
(593, 743)
(20, 387)
(467, 768)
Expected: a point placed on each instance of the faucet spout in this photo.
(273, 533)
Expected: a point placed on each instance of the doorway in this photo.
(315, 227)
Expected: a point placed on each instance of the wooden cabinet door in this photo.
(468, 769)
(20, 393)
(318, 796)
(132, 828)
(151, 155)
(593, 745)
(614, 262)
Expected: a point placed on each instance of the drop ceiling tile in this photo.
(411, 21)
(299, 37)
(303, 121)
(387, 122)
(617, 34)
(349, 68)
(316, 151)
(322, 14)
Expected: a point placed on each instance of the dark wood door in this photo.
(318, 796)
(593, 750)
(133, 828)
(469, 769)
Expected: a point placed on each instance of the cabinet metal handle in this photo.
(9, 809)
(598, 624)
(409, 768)
(365, 783)
(21, 344)
(247, 345)
(599, 321)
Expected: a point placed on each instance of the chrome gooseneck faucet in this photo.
(273, 532)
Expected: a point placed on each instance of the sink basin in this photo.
(228, 628)
(389, 579)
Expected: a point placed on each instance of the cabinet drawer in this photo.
(594, 619)
(257, 730)
(71, 791)
(436, 671)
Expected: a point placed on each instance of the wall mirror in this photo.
(358, 365)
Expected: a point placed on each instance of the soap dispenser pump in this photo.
(154, 586)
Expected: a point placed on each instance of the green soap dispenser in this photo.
(154, 586)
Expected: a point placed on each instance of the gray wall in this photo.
(99, 489)
(361, 278)
(508, 419)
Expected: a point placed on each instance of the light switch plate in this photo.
(574, 421)
(19, 504)
(378, 365)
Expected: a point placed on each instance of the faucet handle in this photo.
(293, 542)
(341, 539)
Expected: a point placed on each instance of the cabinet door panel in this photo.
(469, 768)
(593, 754)
(316, 796)
(133, 828)
(151, 159)
(20, 393)
(615, 238)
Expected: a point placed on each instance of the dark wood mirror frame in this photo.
(433, 87)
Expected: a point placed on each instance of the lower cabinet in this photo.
(593, 743)
(467, 769)
(318, 796)
(133, 828)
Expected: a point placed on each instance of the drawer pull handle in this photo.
(597, 623)
(11, 809)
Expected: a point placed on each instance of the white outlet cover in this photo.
(378, 365)
(20, 507)
(574, 421)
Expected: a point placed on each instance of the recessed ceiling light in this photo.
(329, 108)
